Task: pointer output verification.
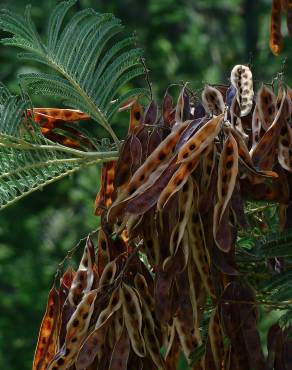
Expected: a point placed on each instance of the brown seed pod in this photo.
(202, 138)
(276, 38)
(121, 351)
(227, 172)
(76, 331)
(198, 250)
(133, 319)
(185, 204)
(47, 340)
(153, 167)
(114, 305)
(266, 103)
(107, 276)
(106, 195)
(263, 154)
(216, 339)
(178, 180)
(241, 79)
(92, 346)
(285, 148)
(83, 279)
(142, 287)
(136, 115)
(212, 100)
(289, 17)
(102, 252)
(187, 338)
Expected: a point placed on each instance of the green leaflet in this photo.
(92, 64)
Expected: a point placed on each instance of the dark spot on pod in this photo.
(161, 156)
(223, 192)
(285, 142)
(181, 216)
(128, 297)
(115, 300)
(67, 352)
(224, 178)
(132, 190)
(60, 361)
(179, 182)
(284, 130)
(137, 116)
(175, 236)
(75, 323)
(73, 340)
(142, 177)
(185, 155)
(85, 316)
(85, 262)
(229, 150)
(103, 245)
(109, 275)
(229, 164)
(150, 243)
(195, 218)
(192, 146)
(190, 166)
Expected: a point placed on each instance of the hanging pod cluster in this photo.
(170, 209)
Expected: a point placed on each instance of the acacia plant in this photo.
(180, 264)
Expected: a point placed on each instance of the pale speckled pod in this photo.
(241, 79)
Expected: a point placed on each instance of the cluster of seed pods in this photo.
(276, 38)
(170, 208)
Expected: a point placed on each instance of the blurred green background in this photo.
(184, 40)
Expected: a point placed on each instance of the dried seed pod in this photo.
(186, 337)
(182, 107)
(135, 116)
(264, 153)
(276, 38)
(266, 103)
(148, 173)
(216, 339)
(47, 340)
(108, 275)
(106, 195)
(129, 160)
(256, 128)
(103, 256)
(289, 17)
(241, 79)
(208, 163)
(150, 115)
(121, 351)
(54, 114)
(177, 181)
(114, 305)
(167, 110)
(227, 173)
(142, 287)
(197, 143)
(83, 279)
(285, 148)
(133, 319)
(76, 331)
(92, 346)
(185, 204)
(212, 100)
(198, 250)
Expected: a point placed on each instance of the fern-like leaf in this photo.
(28, 161)
(92, 65)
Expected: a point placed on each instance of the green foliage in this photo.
(28, 160)
(91, 66)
